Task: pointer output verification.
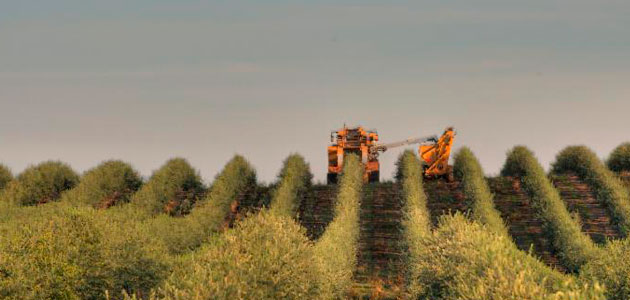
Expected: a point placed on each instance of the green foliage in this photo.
(611, 269)
(295, 179)
(415, 213)
(60, 252)
(610, 190)
(463, 260)
(266, 256)
(112, 182)
(41, 184)
(208, 216)
(6, 209)
(574, 247)
(173, 189)
(65, 251)
(619, 160)
(180, 235)
(5, 176)
(416, 222)
(335, 251)
(474, 186)
(237, 177)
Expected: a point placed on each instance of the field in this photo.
(525, 234)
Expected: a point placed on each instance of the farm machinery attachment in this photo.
(434, 152)
(435, 156)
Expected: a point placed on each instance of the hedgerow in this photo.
(336, 249)
(173, 189)
(463, 260)
(265, 256)
(209, 215)
(5, 176)
(477, 192)
(180, 235)
(41, 184)
(237, 177)
(111, 183)
(294, 179)
(61, 252)
(23, 214)
(611, 269)
(609, 190)
(574, 248)
(415, 222)
(619, 160)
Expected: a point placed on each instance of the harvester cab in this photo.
(354, 140)
(363, 143)
(435, 156)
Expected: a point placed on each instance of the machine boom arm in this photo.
(410, 141)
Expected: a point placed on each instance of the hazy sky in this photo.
(145, 80)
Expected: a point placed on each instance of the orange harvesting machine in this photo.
(434, 152)
(435, 156)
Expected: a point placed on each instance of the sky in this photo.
(144, 81)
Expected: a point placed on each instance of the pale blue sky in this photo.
(142, 81)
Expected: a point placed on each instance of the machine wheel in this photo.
(331, 178)
(373, 177)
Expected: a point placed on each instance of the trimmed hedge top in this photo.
(336, 249)
(172, 189)
(237, 176)
(463, 260)
(619, 159)
(41, 184)
(416, 223)
(295, 178)
(410, 175)
(265, 256)
(585, 163)
(468, 170)
(110, 183)
(209, 216)
(5, 176)
(574, 247)
(64, 252)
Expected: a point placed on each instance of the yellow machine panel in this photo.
(436, 156)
